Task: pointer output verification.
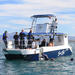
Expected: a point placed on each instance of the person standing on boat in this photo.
(22, 42)
(30, 39)
(5, 38)
(53, 28)
(53, 25)
(16, 40)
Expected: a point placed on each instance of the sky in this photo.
(15, 14)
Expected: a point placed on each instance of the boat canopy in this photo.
(42, 16)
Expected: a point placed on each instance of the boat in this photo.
(43, 30)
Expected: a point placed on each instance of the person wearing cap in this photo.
(5, 38)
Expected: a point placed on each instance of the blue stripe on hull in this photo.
(32, 57)
(51, 54)
(58, 53)
(25, 57)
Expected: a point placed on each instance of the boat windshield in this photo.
(43, 20)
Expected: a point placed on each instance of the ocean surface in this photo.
(60, 66)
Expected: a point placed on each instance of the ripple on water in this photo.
(60, 66)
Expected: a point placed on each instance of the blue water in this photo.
(60, 66)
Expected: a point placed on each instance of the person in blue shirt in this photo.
(30, 39)
(5, 38)
(22, 41)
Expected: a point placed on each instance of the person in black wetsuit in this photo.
(30, 39)
(43, 43)
(22, 41)
(5, 38)
(16, 40)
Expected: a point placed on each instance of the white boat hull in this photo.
(33, 54)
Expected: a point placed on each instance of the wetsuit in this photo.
(43, 43)
(30, 39)
(22, 42)
(16, 40)
(5, 39)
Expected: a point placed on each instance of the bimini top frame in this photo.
(34, 17)
(42, 16)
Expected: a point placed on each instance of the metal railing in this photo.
(22, 44)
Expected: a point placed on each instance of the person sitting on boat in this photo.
(16, 40)
(43, 43)
(5, 38)
(35, 43)
(26, 41)
(22, 41)
(30, 39)
(51, 42)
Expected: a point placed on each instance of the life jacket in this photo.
(4, 36)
